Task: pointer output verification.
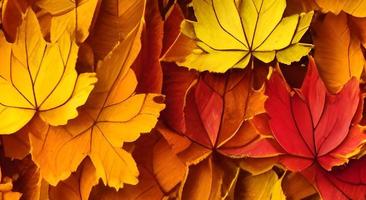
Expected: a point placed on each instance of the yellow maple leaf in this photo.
(72, 16)
(39, 77)
(113, 115)
(229, 33)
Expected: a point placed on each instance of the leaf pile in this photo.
(182, 99)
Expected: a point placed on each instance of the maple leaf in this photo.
(210, 108)
(356, 8)
(312, 125)
(338, 52)
(227, 34)
(161, 172)
(211, 124)
(40, 77)
(113, 115)
(74, 17)
(345, 182)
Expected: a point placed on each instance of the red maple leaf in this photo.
(318, 131)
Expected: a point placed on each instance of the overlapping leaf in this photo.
(319, 124)
(219, 137)
(113, 115)
(211, 123)
(161, 172)
(39, 77)
(74, 17)
(338, 52)
(115, 21)
(228, 34)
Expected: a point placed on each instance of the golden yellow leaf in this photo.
(70, 16)
(338, 52)
(39, 77)
(113, 115)
(356, 8)
(228, 34)
(261, 187)
(161, 172)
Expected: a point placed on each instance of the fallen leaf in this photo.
(74, 17)
(161, 172)
(177, 82)
(147, 65)
(113, 115)
(253, 28)
(338, 52)
(32, 86)
(312, 125)
(213, 123)
(214, 106)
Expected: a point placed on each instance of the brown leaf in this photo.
(147, 65)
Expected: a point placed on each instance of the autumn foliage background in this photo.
(180, 99)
